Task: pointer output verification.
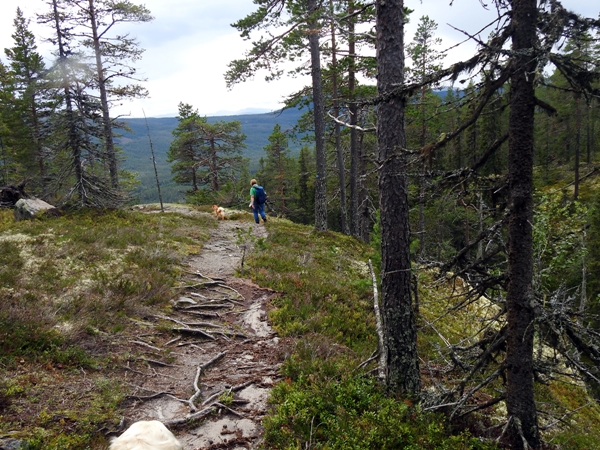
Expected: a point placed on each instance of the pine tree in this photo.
(112, 54)
(399, 329)
(204, 153)
(301, 22)
(77, 176)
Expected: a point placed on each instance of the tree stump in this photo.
(11, 194)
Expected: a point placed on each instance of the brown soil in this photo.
(176, 386)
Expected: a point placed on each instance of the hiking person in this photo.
(258, 197)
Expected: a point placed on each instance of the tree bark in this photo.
(106, 122)
(337, 131)
(519, 300)
(354, 150)
(397, 313)
(319, 119)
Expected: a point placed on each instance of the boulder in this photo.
(13, 444)
(29, 208)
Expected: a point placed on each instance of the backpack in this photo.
(260, 195)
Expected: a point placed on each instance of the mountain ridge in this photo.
(135, 143)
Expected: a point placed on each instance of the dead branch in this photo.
(199, 370)
(127, 367)
(373, 357)
(190, 417)
(149, 397)
(487, 404)
(239, 387)
(146, 345)
(564, 417)
(207, 306)
(203, 324)
(214, 360)
(194, 332)
(172, 341)
(232, 289)
(191, 344)
(347, 125)
(171, 319)
(382, 369)
(468, 395)
(233, 301)
(203, 276)
(158, 363)
(198, 415)
(204, 314)
(228, 409)
(190, 286)
(233, 334)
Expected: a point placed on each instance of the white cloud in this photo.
(190, 42)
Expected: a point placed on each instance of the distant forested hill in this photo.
(138, 158)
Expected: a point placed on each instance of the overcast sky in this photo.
(190, 42)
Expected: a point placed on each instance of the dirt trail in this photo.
(224, 351)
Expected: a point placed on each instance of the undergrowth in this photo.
(330, 399)
(325, 311)
(68, 286)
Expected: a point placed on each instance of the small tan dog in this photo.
(146, 435)
(219, 212)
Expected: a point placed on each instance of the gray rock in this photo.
(33, 207)
(13, 444)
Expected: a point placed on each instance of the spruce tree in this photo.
(29, 107)
(276, 174)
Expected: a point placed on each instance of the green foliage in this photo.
(326, 310)
(354, 413)
(25, 108)
(278, 173)
(559, 242)
(563, 398)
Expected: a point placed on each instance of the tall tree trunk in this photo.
(402, 371)
(337, 131)
(319, 119)
(281, 176)
(577, 145)
(423, 171)
(520, 401)
(73, 140)
(353, 110)
(213, 166)
(106, 122)
(588, 136)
